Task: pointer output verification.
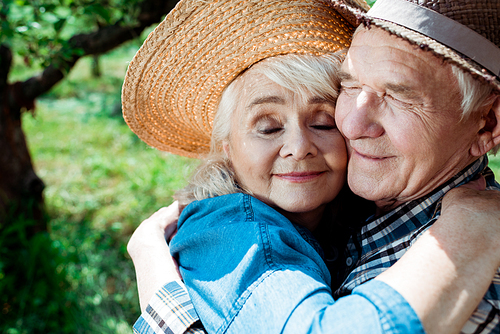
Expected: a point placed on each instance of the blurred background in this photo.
(74, 180)
(75, 186)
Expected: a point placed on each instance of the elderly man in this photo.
(419, 108)
(409, 131)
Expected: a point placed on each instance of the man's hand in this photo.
(474, 215)
(150, 253)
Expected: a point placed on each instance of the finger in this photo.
(177, 267)
(169, 238)
(169, 217)
(169, 211)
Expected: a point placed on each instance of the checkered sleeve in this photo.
(169, 311)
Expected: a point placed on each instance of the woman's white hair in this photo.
(300, 73)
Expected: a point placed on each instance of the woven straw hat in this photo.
(463, 32)
(175, 81)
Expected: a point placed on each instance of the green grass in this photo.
(495, 165)
(101, 182)
(95, 167)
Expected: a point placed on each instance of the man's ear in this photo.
(489, 135)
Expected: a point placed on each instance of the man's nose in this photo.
(362, 120)
(298, 144)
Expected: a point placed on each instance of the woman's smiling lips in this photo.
(299, 177)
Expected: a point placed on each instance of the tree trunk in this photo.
(20, 188)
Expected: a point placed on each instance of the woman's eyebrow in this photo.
(320, 100)
(266, 100)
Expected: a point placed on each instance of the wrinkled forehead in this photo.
(376, 43)
(377, 53)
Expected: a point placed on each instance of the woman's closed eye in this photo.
(323, 121)
(268, 126)
(269, 130)
(325, 127)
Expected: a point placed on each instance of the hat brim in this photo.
(174, 83)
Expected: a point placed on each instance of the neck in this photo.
(384, 207)
(309, 219)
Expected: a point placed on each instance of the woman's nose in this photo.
(298, 144)
(360, 117)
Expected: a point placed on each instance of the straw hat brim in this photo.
(174, 83)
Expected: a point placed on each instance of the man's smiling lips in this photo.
(299, 177)
(368, 156)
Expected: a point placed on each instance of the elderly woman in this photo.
(258, 80)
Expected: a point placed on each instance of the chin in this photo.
(365, 191)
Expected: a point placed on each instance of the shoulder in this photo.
(227, 209)
(239, 228)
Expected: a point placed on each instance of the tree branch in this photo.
(100, 41)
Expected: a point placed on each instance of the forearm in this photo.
(151, 255)
(152, 272)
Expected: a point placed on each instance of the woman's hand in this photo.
(446, 273)
(150, 253)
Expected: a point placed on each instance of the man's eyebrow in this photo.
(266, 100)
(401, 89)
(344, 76)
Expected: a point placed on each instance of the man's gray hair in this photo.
(302, 74)
(475, 94)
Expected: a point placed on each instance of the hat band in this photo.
(440, 28)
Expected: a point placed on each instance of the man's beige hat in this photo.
(175, 81)
(463, 32)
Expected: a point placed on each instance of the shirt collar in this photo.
(413, 215)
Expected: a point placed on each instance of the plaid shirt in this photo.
(169, 311)
(378, 245)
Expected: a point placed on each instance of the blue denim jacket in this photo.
(248, 269)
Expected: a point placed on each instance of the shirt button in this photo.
(348, 261)
(331, 254)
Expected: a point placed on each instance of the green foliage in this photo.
(38, 31)
(33, 284)
(102, 181)
(75, 280)
(495, 165)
